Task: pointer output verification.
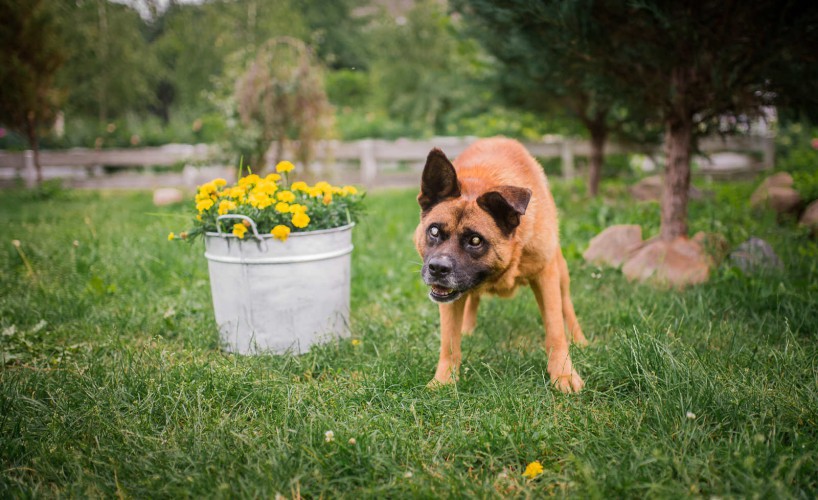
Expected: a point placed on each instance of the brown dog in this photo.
(488, 224)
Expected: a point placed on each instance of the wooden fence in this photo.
(370, 162)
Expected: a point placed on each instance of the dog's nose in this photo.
(440, 267)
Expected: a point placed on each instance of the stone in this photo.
(755, 256)
(810, 217)
(167, 196)
(614, 245)
(776, 192)
(650, 189)
(677, 263)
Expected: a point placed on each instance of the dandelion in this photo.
(280, 232)
(301, 220)
(284, 166)
(239, 230)
(356, 342)
(329, 436)
(171, 236)
(533, 469)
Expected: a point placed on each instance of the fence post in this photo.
(369, 166)
(29, 169)
(567, 155)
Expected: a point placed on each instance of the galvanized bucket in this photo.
(274, 296)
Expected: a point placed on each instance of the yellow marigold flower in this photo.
(266, 202)
(239, 230)
(171, 236)
(327, 198)
(533, 469)
(283, 207)
(226, 206)
(348, 190)
(300, 186)
(203, 205)
(280, 232)
(324, 186)
(284, 166)
(266, 187)
(287, 196)
(295, 208)
(199, 218)
(314, 192)
(301, 220)
(219, 182)
(207, 188)
(249, 179)
(337, 190)
(273, 177)
(236, 192)
(256, 199)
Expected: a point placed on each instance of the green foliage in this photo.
(796, 153)
(117, 386)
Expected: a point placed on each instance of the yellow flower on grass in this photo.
(171, 236)
(203, 205)
(283, 207)
(226, 206)
(287, 196)
(280, 232)
(239, 230)
(356, 342)
(300, 186)
(284, 166)
(533, 469)
(301, 220)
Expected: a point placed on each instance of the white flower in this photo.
(408, 474)
(329, 436)
(690, 415)
(352, 441)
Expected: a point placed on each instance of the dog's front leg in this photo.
(546, 288)
(451, 323)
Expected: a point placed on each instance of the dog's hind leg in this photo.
(546, 287)
(451, 325)
(470, 314)
(574, 329)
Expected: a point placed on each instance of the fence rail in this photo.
(370, 162)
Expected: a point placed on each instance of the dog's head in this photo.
(464, 238)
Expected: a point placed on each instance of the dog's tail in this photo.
(567, 306)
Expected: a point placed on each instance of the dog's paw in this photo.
(568, 382)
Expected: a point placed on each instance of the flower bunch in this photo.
(277, 206)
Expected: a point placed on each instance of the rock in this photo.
(776, 192)
(614, 245)
(755, 256)
(650, 189)
(677, 263)
(167, 196)
(810, 217)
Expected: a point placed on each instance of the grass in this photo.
(113, 383)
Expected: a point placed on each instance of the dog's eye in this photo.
(434, 231)
(475, 241)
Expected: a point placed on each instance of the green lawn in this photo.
(113, 383)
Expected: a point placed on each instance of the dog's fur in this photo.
(488, 225)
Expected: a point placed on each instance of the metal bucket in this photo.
(274, 296)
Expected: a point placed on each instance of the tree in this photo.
(31, 54)
(535, 44)
(697, 63)
(281, 97)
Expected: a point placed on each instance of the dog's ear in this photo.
(439, 181)
(505, 204)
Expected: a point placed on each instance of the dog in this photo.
(488, 225)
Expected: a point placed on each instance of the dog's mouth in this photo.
(442, 294)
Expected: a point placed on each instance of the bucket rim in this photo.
(299, 234)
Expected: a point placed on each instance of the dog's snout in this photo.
(440, 267)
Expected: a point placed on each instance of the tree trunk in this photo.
(678, 137)
(599, 135)
(34, 144)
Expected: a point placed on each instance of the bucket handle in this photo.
(237, 216)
